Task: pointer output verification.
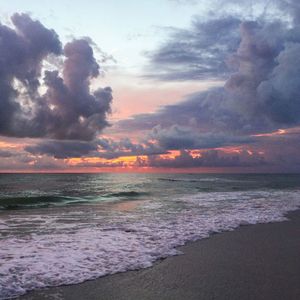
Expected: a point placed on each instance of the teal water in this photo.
(29, 191)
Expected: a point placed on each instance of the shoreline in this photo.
(259, 261)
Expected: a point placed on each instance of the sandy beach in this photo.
(252, 262)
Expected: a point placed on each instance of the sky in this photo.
(150, 86)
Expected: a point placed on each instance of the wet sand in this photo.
(252, 262)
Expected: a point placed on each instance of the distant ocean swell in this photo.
(74, 251)
(31, 202)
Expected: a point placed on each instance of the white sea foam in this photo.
(72, 247)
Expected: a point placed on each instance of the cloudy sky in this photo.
(150, 86)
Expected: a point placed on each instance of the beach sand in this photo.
(252, 262)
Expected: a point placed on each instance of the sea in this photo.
(59, 229)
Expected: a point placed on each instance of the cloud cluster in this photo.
(179, 137)
(209, 158)
(261, 94)
(68, 109)
(260, 59)
(197, 53)
(202, 50)
(102, 148)
(62, 149)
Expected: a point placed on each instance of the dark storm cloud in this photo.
(177, 137)
(68, 109)
(262, 95)
(62, 149)
(271, 152)
(210, 158)
(77, 113)
(21, 54)
(199, 52)
(102, 148)
(280, 93)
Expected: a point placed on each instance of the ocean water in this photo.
(60, 229)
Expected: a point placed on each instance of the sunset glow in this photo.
(208, 93)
